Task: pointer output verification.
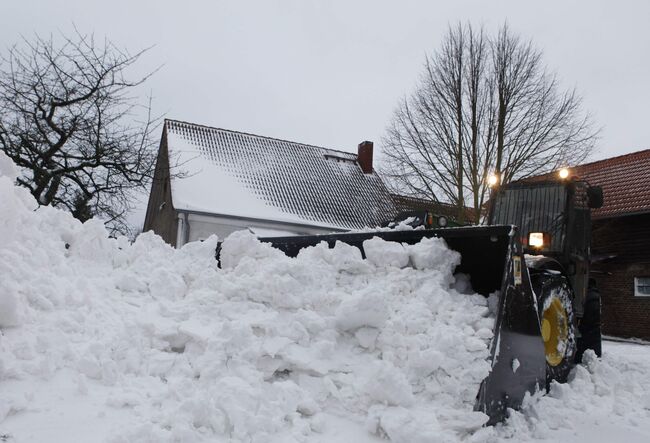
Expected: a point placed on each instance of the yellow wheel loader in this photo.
(535, 251)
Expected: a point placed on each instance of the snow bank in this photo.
(268, 347)
(103, 340)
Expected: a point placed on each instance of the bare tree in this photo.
(483, 105)
(478, 131)
(69, 118)
(426, 135)
(539, 128)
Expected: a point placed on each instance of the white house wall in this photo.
(201, 226)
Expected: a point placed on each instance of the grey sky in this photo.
(330, 72)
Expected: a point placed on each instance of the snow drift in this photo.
(103, 340)
(267, 347)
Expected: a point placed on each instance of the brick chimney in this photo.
(364, 156)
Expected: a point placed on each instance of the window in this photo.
(642, 286)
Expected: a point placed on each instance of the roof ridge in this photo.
(257, 135)
(609, 159)
(426, 200)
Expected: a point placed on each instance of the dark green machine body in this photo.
(561, 210)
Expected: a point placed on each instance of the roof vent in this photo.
(340, 158)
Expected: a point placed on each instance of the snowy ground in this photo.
(606, 400)
(576, 413)
(103, 340)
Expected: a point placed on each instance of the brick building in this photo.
(621, 241)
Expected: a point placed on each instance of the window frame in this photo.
(636, 286)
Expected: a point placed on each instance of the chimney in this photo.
(364, 156)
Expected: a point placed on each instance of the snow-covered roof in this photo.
(246, 175)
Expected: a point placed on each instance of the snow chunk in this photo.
(432, 253)
(382, 253)
(242, 245)
(515, 365)
(386, 384)
(364, 309)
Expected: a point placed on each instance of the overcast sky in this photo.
(330, 73)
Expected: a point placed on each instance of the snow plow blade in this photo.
(492, 256)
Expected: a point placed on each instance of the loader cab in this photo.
(554, 220)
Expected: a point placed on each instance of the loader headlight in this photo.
(538, 239)
(563, 173)
(492, 180)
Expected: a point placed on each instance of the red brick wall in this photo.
(623, 314)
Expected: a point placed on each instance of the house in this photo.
(621, 241)
(273, 187)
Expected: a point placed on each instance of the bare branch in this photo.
(67, 117)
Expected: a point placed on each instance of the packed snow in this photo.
(107, 340)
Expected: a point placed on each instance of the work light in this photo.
(563, 173)
(538, 239)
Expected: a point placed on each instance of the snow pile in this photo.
(104, 340)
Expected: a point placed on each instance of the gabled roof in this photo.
(625, 181)
(245, 175)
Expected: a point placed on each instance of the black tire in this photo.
(590, 330)
(557, 323)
